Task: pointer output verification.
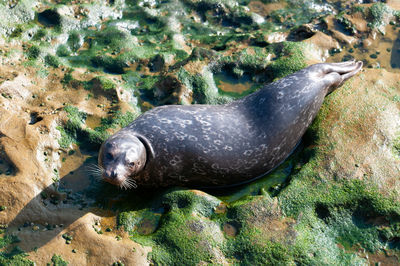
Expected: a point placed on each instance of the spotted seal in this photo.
(220, 145)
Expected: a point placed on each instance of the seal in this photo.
(220, 145)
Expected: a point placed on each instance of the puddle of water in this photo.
(93, 121)
(395, 55)
(383, 52)
(228, 84)
(48, 18)
(6, 169)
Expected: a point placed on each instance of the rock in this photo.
(324, 43)
(361, 136)
(343, 38)
(276, 37)
(157, 64)
(301, 33)
(18, 88)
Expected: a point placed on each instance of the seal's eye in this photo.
(132, 164)
(109, 156)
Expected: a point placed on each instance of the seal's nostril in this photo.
(113, 174)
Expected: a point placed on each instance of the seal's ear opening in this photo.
(147, 145)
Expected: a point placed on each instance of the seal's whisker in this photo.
(94, 167)
(131, 183)
(128, 183)
(95, 174)
(95, 170)
(134, 185)
(125, 184)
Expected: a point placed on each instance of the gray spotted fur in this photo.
(220, 145)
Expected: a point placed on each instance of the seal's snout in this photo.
(114, 179)
(112, 174)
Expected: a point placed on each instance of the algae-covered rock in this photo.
(14, 14)
(380, 15)
(185, 232)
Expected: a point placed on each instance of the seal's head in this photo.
(121, 157)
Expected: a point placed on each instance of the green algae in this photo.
(181, 233)
(63, 51)
(291, 59)
(109, 64)
(118, 120)
(185, 238)
(12, 254)
(105, 83)
(187, 211)
(251, 246)
(347, 208)
(70, 132)
(248, 251)
(7, 240)
(202, 86)
(75, 131)
(75, 41)
(148, 82)
(52, 60)
(380, 14)
(57, 260)
(246, 62)
(347, 25)
(298, 13)
(33, 52)
(76, 117)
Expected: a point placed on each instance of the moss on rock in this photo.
(75, 131)
(57, 260)
(11, 254)
(380, 15)
(291, 58)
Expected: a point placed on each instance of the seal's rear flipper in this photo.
(335, 74)
(340, 68)
(348, 75)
